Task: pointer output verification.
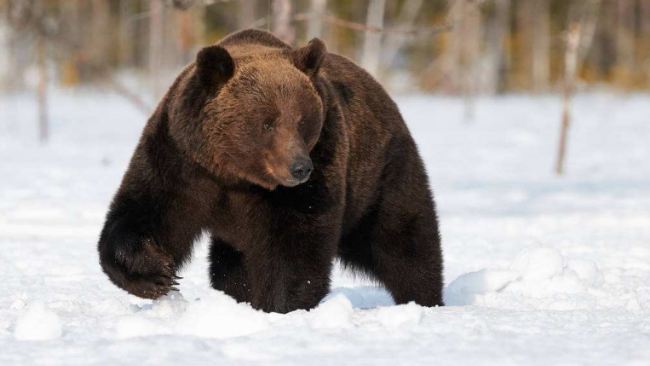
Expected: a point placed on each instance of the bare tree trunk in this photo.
(171, 44)
(625, 41)
(541, 60)
(185, 34)
(589, 22)
(155, 46)
(471, 59)
(406, 18)
(372, 41)
(496, 57)
(524, 34)
(6, 57)
(246, 13)
(315, 26)
(99, 31)
(570, 69)
(453, 58)
(281, 24)
(69, 67)
(43, 122)
(645, 31)
(125, 34)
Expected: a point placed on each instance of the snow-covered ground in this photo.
(540, 270)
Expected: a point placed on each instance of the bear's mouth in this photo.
(292, 182)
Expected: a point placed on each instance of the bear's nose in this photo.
(301, 169)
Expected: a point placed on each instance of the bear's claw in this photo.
(147, 273)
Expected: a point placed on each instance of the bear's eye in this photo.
(268, 127)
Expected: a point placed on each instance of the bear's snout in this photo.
(300, 169)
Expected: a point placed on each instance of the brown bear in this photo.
(289, 158)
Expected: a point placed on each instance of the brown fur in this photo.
(219, 155)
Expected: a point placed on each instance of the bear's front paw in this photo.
(140, 267)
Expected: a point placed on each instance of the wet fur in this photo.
(195, 169)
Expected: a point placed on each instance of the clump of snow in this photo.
(335, 312)
(38, 323)
(633, 305)
(220, 316)
(539, 277)
(587, 271)
(400, 315)
(169, 305)
(538, 263)
(18, 304)
(468, 285)
(216, 316)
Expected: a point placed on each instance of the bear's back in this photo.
(251, 43)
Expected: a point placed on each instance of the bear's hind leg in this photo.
(406, 258)
(397, 241)
(227, 272)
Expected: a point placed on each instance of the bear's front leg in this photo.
(290, 272)
(152, 223)
(227, 271)
(136, 263)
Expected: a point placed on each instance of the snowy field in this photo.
(539, 270)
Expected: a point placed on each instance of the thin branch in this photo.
(259, 23)
(186, 4)
(46, 34)
(365, 28)
(570, 61)
(122, 90)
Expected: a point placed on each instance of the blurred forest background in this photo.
(457, 47)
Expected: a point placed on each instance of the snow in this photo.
(408, 315)
(539, 270)
(219, 316)
(544, 278)
(333, 313)
(38, 323)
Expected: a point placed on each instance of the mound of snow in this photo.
(538, 278)
(587, 271)
(169, 305)
(463, 289)
(400, 315)
(538, 263)
(220, 316)
(18, 304)
(333, 313)
(38, 323)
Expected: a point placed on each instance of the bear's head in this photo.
(264, 116)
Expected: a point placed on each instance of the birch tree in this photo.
(281, 22)
(625, 20)
(317, 11)
(496, 56)
(155, 46)
(246, 13)
(372, 41)
(541, 44)
(645, 37)
(405, 20)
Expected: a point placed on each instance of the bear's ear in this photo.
(309, 58)
(214, 65)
